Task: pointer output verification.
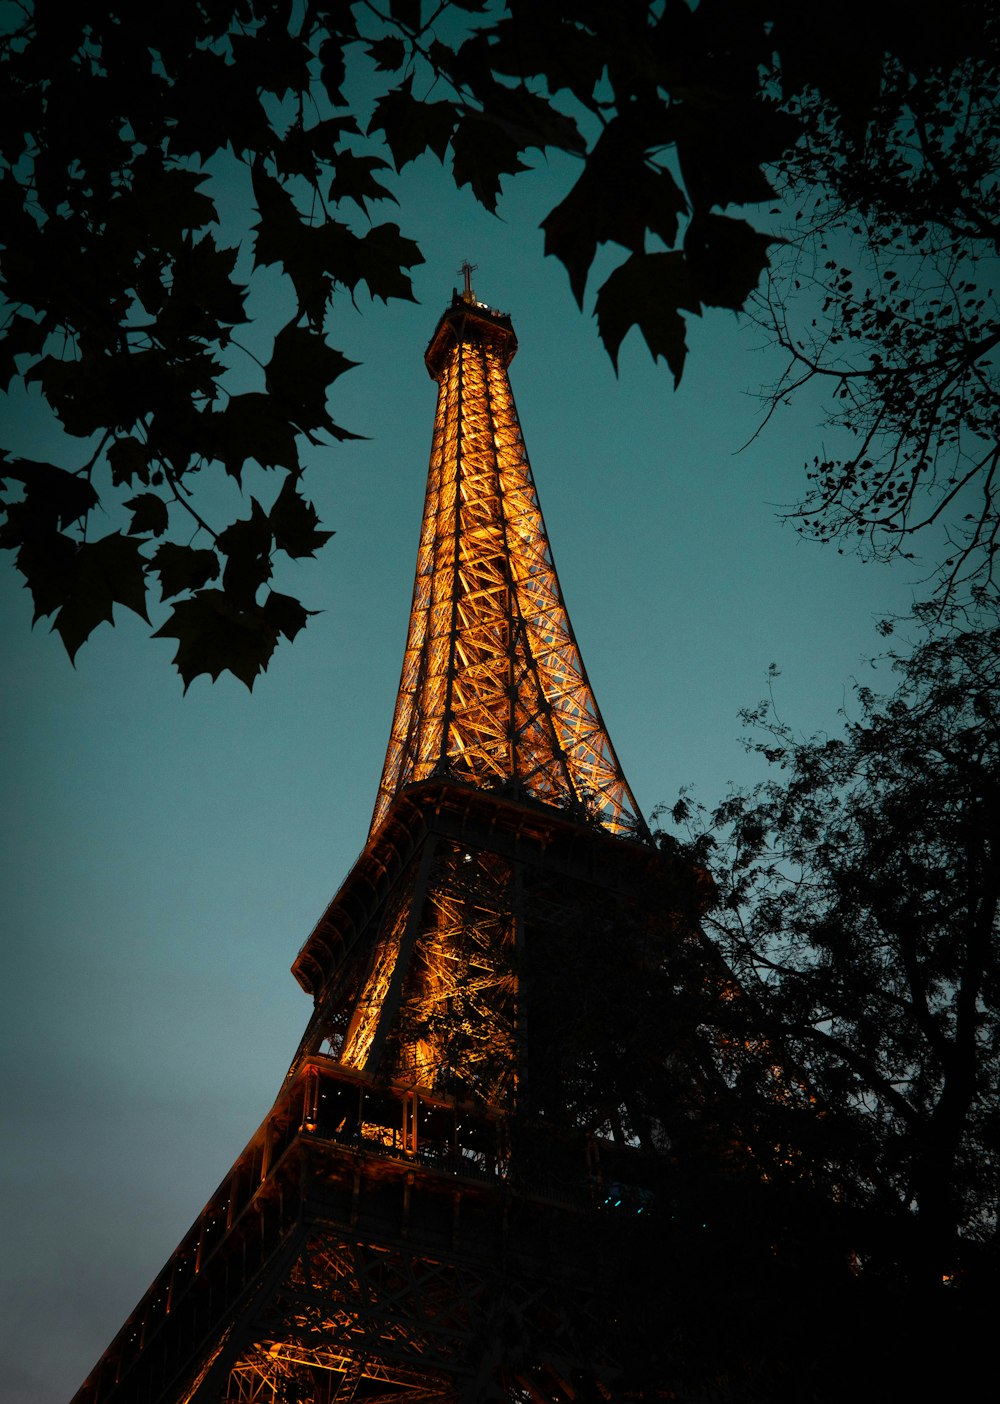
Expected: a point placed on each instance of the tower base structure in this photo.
(429, 1226)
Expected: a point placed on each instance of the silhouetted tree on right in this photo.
(828, 1221)
(859, 909)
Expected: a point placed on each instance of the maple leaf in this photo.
(202, 293)
(389, 53)
(247, 545)
(129, 459)
(483, 151)
(301, 370)
(382, 255)
(354, 179)
(51, 493)
(161, 204)
(412, 127)
(649, 291)
(106, 572)
(618, 197)
(285, 614)
(295, 523)
(78, 393)
(252, 427)
(724, 141)
(183, 568)
(726, 258)
(21, 337)
(215, 635)
(149, 514)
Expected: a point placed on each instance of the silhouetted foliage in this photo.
(886, 296)
(133, 136)
(825, 1205)
(617, 988)
(860, 913)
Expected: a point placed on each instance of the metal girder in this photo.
(409, 1225)
(434, 991)
(493, 689)
(355, 1320)
(437, 1010)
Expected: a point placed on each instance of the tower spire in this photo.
(493, 690)
(467, 269)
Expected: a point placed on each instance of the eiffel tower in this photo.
(410, 1221)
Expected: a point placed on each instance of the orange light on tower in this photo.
(393, 1215)
(493, 690)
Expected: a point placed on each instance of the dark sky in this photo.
(166, 856)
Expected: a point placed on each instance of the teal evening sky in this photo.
(166, 856)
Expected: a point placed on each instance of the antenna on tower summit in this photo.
(467, 269)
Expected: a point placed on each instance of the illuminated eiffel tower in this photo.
(410, 1222)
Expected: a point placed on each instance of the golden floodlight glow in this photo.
(493, 690)
(405, 1223)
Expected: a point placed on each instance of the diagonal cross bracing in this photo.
(411, 1222)
(493, 690)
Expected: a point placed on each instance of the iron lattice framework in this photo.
(415, 1220)
(493, 689)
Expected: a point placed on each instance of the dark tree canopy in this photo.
(125, 289)
(859, 908)
(798, 1068)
